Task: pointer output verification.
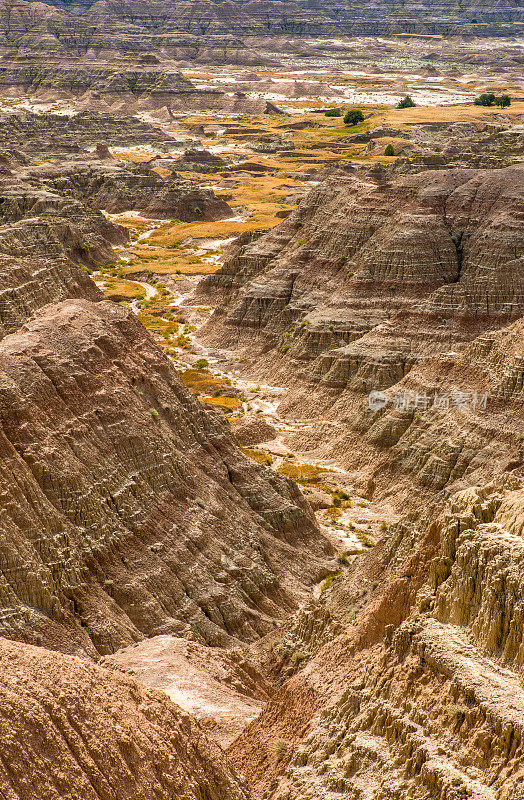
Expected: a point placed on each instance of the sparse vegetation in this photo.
(281, 747)
(258, 455)
(353, 117)
(407, 102)
(455, 710)
(227, 404)
(328, 582)
(299, 656)
(302, 473)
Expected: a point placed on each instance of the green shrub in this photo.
(389, 151)
(407, 102)
(202, 363)
(333, 112)
(485, 99)
(503, 101)
(353, 117)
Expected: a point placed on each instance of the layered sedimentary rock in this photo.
(27, 285)
(438, 145)
(435, 709)
(127, 510)
(151, 26)
(48, 135)
(125, 90)
(404, 288)
(109, 185)
(70, 730)
(47, 242)
(52, 230)
(360, 251)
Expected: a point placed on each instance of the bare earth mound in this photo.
(72, 731)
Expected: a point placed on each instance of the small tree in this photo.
(503, 101)
(407, 102)
(333, 112)
(353, 117)
(389, 151)
(485, 100)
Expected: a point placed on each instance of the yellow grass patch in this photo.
(398, 118)
(258, 455)
(202, 381)
(127, 288)
(302, 473)
(227, 403)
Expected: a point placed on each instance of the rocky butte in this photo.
(261, 401)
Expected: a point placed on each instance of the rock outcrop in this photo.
(60, 135)
(400, 288)
(70, 730)
(219, 687)
(136, 28)
(107, 185)
(98, 86)
(127, 510)
(434, 710)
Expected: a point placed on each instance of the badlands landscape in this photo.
(261, 400)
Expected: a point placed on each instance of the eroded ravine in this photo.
(352, 522)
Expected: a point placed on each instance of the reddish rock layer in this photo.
(127, 510)
(72, 731)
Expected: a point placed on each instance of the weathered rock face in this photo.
(125, 90)
(128, 511)
(52, 231)
(58, 135)
(383, 287)
(43, 258)
(136, 26)
(220, 687)
(47, 243)
(433, 712)
(27, 285)
(356, 254)
(112, 186)
(128, 87)
(70, 730)
(460, 144)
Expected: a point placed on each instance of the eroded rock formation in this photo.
(433, 711)
(69, 729)
(125, 480)
(404, 288)
(136, 26)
